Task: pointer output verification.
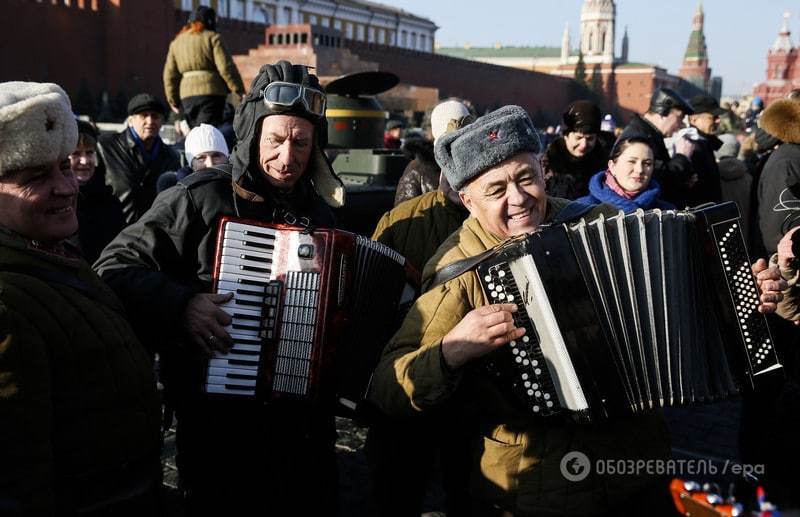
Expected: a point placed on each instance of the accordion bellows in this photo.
(630, 313)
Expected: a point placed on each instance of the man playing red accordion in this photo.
(162, 268)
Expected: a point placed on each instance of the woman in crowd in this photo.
(199, 71)
(628, 182)
(100, 216)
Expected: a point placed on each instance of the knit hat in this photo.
(36, 125)
(146, 102)
(582, 116)
(445, 116)
(203, 139)
(490, 140)
(730, 147)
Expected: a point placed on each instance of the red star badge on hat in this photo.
(493, 136)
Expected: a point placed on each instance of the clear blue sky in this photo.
(738, 32)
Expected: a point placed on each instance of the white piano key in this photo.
(221, 388)
(235, 249)
(246, 348)
(221, 379)
(226, 372)
(238, 272)
(239, 261)
(235, 282)
(224, 364)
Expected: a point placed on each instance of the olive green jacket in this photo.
(416, 227)
(515, 457)
(199, 64)
(79, 412)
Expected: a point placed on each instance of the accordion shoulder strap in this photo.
(572, 211)
(460, 267)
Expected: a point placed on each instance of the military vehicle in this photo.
(356, 122)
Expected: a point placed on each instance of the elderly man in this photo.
(430, 363)
(135, 157)
(572, 159)
(706, 120)
(663, 118)
(162, 268)
(78, 404)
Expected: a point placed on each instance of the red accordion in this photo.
(312, 310)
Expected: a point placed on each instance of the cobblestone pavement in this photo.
(353, 476)
(709, 431)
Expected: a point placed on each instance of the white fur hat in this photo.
(36, 125)
(443, 116)
(202, 139)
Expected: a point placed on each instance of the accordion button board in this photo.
(734, 265)
(630, 313)
(531, 378)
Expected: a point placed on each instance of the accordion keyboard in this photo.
(245, 271)
(533, 381)
(760, 349)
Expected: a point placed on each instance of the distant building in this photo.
(783, 74)
(695, 68)
(357, 20)
(624, 87)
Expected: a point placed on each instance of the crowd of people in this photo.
(81, 415)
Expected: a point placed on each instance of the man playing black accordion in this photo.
(162, 268)
(433, 360)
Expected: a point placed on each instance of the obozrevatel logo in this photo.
(575, 466)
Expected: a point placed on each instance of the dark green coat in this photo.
(79, 414)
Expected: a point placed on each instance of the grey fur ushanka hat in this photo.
(489, 141)
(36, 125)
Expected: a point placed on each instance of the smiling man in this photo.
(78, 404)
(433, 362)
(162, 268)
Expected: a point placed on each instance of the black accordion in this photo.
(311, 312)
(629, 313)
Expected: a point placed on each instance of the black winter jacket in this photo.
(568, 177)
(100, 218)
(672, 173)
(780, 174)
(130, 177)
(707, 189)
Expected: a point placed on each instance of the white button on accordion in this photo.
(629, 313)
(311, 311)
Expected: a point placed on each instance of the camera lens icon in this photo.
(575, 466)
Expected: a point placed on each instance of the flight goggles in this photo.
(280, 96)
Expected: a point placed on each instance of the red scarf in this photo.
(612, 183)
